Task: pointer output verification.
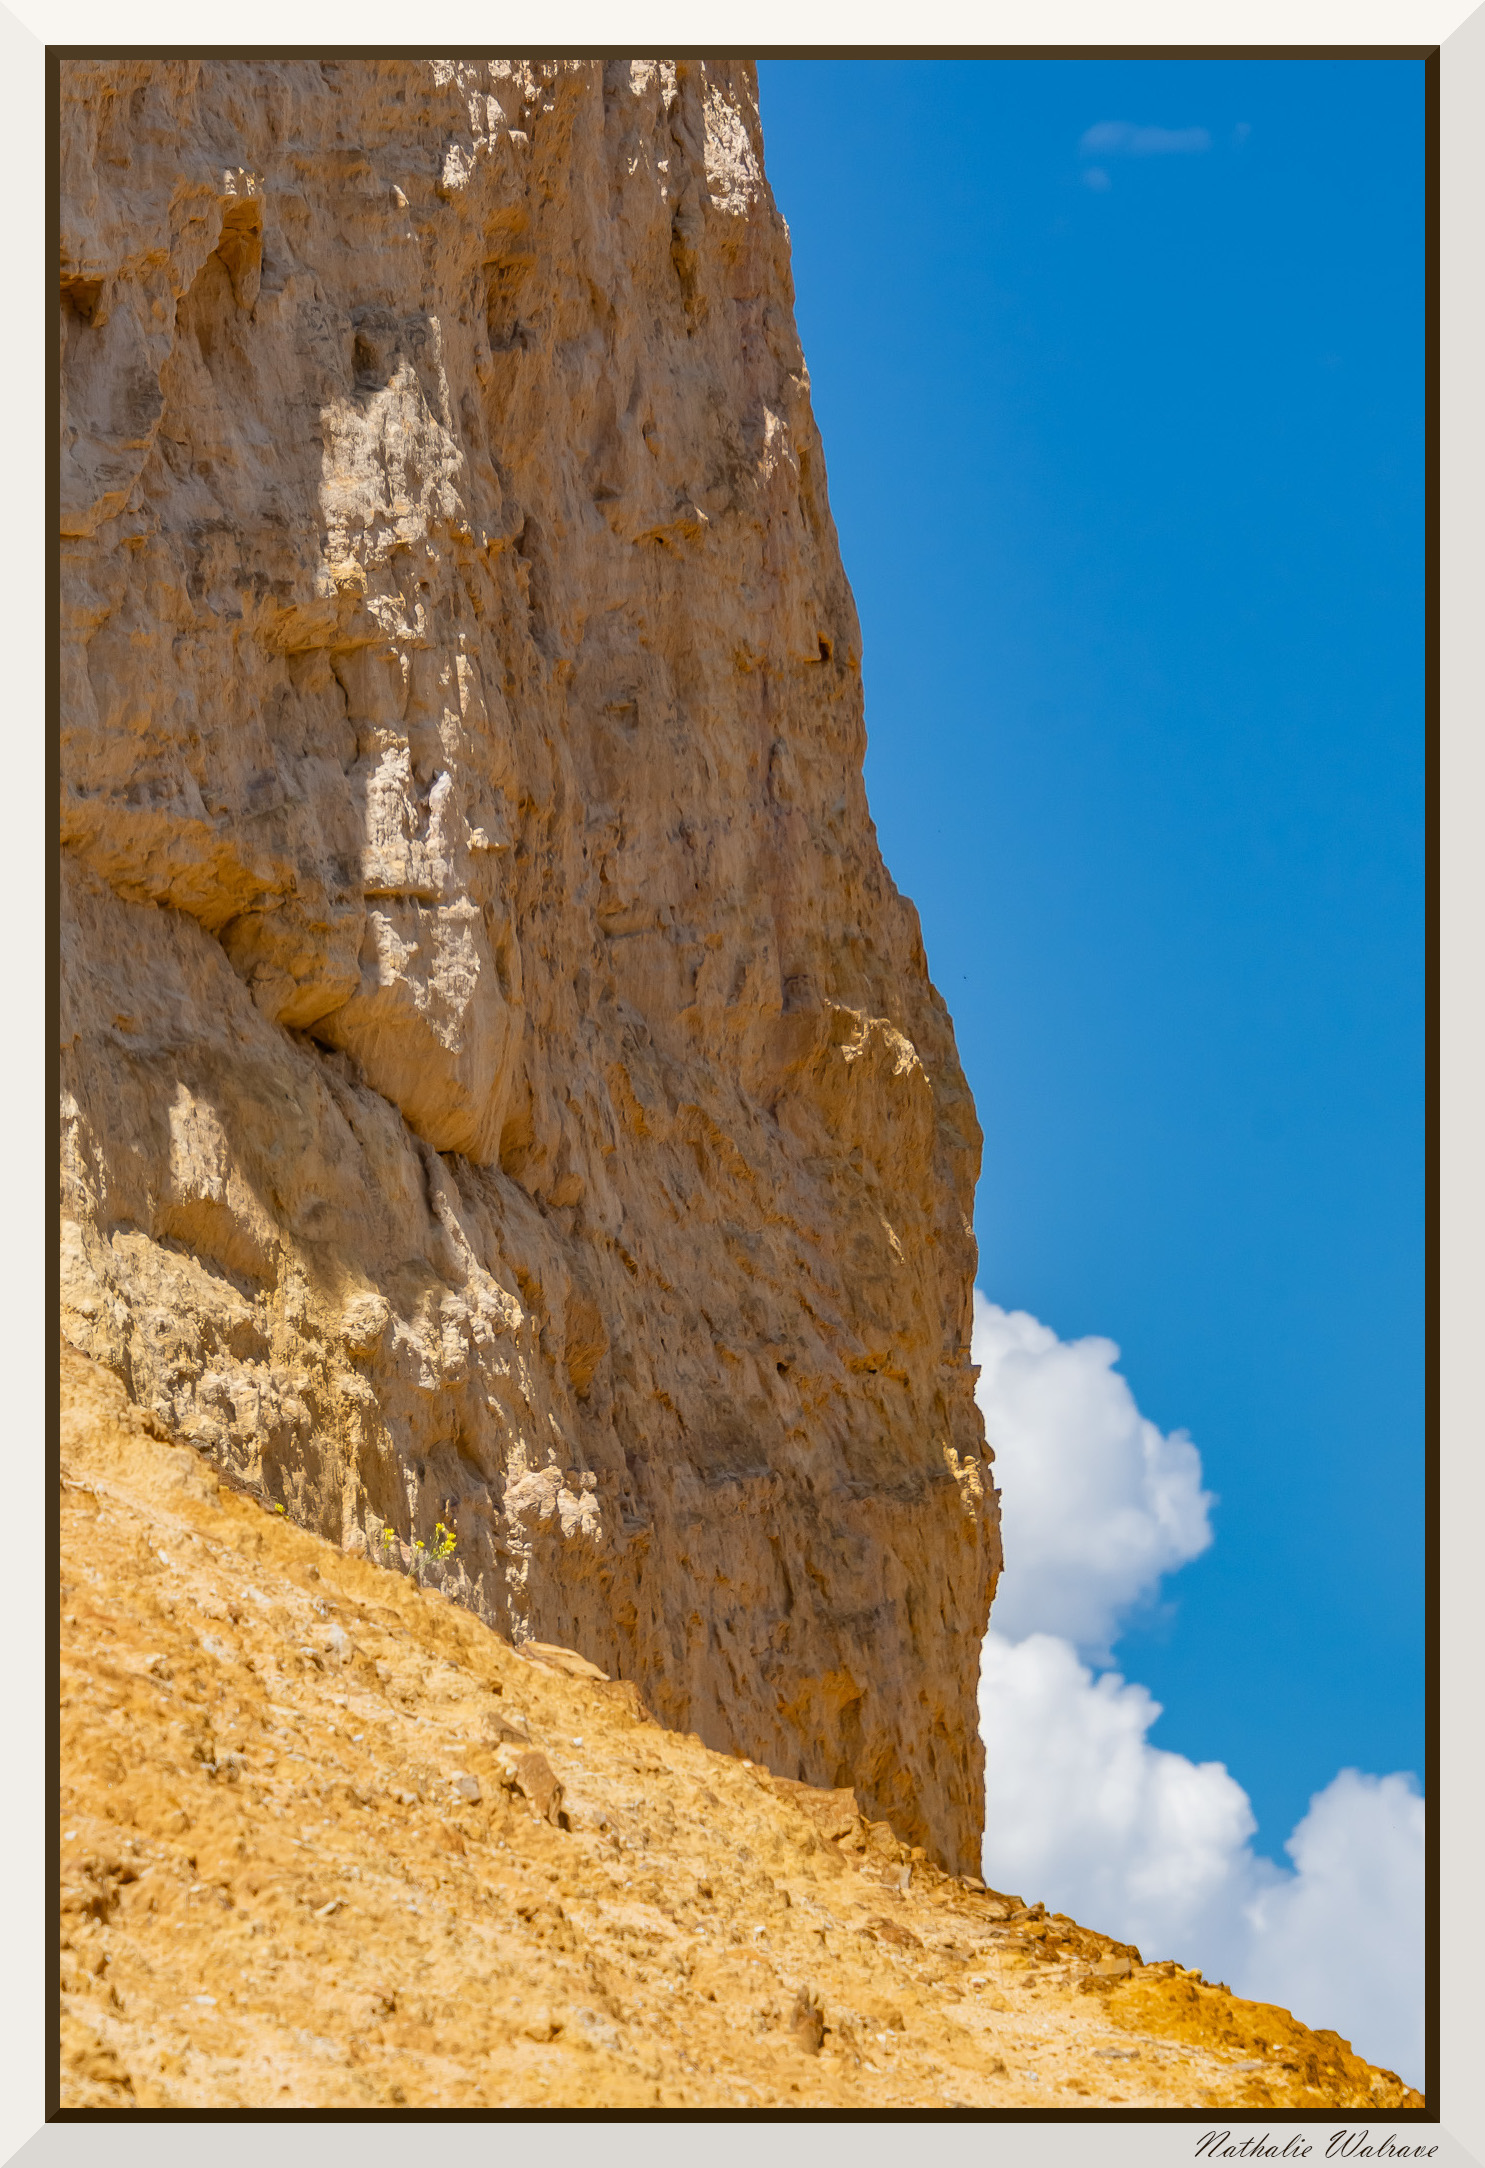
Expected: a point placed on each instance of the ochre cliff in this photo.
(503, 1086)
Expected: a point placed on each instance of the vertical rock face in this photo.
(502, 1084)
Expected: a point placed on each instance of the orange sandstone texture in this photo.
(503, 1085)
(327, 1840)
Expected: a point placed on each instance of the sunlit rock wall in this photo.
(503, 1085)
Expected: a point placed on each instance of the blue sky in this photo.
(1124, 435)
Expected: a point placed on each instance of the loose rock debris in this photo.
(302, 1867)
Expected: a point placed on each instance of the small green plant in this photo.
(442, 1546)
(278, 1509)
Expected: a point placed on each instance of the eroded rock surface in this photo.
(503, 1086)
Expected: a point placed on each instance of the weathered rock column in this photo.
(503, 1085)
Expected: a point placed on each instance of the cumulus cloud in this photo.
(1081, 1810)
(1085, 1814)
(1344, 1934)
(1122, 139)
(1096, 1503)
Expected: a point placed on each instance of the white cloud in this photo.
(1085, 1814)
(1082, 1811)
(1096, 178)
(1342, 1938)
(1096, 1502)
(1121, 138)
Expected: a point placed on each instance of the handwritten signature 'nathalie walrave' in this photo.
(1342, 2145)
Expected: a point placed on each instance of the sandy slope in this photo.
(328, 1840)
